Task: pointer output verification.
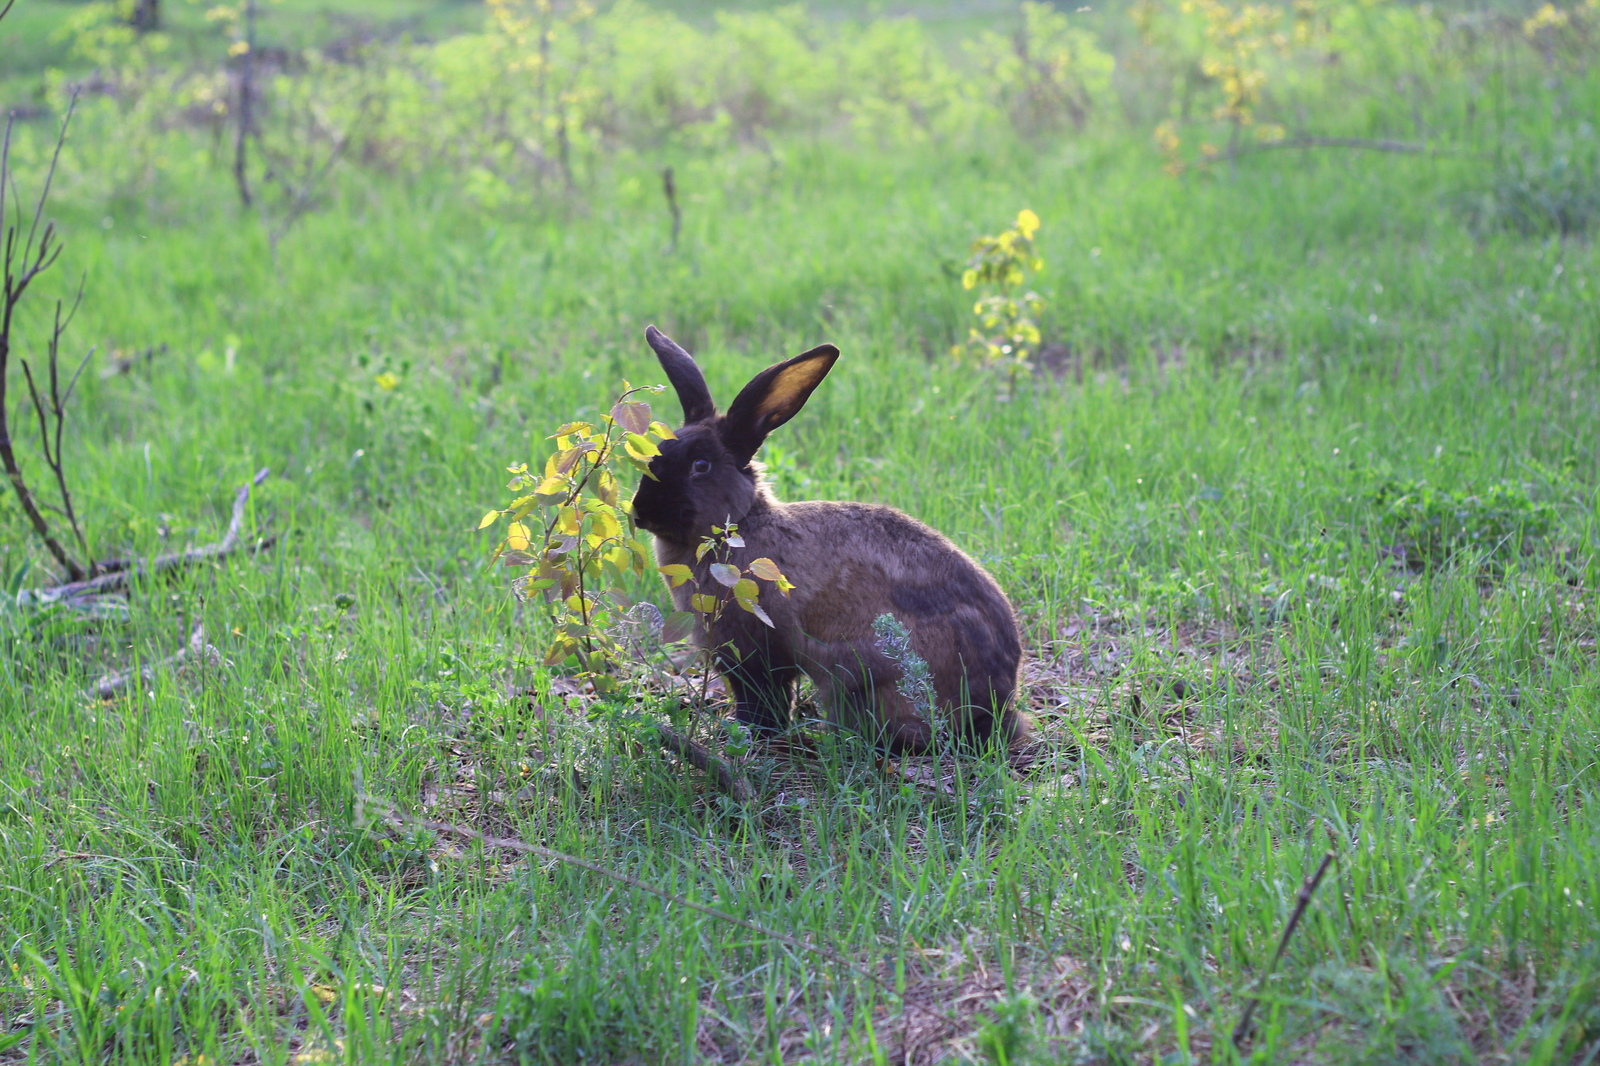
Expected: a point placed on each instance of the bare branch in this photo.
(247, 88)
(1308, 888)
(697, 755)
(670, 187)
(197, 648)
(36, 254)
(44, 194)
(119, 579)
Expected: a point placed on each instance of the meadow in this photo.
(1298, 509)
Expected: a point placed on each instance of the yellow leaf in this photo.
(675, 573)
(608, 487)
(388, 381)
(605, 522)
(488, 519)
(517, 537)
(324, 993)
(568, 521)
(766, 569)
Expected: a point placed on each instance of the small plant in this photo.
(916, 680)
(1008, 1039)
(1427, 526)
(1007, 333)
(588, 543)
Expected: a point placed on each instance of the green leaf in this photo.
(676, 574)
(725, 574)
(679, 625)
(641, 447)
(747, 590)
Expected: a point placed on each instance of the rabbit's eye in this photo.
(702, 466)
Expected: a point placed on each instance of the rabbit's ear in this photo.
(684, 375)
(772, 398)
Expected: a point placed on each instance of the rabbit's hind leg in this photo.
(874, 708)
(763, 696)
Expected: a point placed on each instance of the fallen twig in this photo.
(399, 819)
(1307, 889)
(119, 579)
(109, 685)
(696, 754)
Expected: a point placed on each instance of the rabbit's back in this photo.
(851, 562)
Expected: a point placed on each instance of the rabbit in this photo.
(849, 563)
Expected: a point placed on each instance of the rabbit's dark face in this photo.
(698, 484)
(705, 478)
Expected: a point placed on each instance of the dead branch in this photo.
(247, 90)
(118, 580)
(197, 648)
(21, 265)
(50, 444)
(670, 187)
(696, 754)
(1308, 888)
(298, 197)
(400, 820)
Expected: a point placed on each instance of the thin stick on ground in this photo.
(697, 755)
(1307, 889)
(399, 819)
(120, 579)
(197, 648)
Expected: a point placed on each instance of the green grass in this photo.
(1195, 492)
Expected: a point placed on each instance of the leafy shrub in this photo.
(1557, 192)
(1427, 526)
(1008, 314)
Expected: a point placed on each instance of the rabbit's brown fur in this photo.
(849, 562)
